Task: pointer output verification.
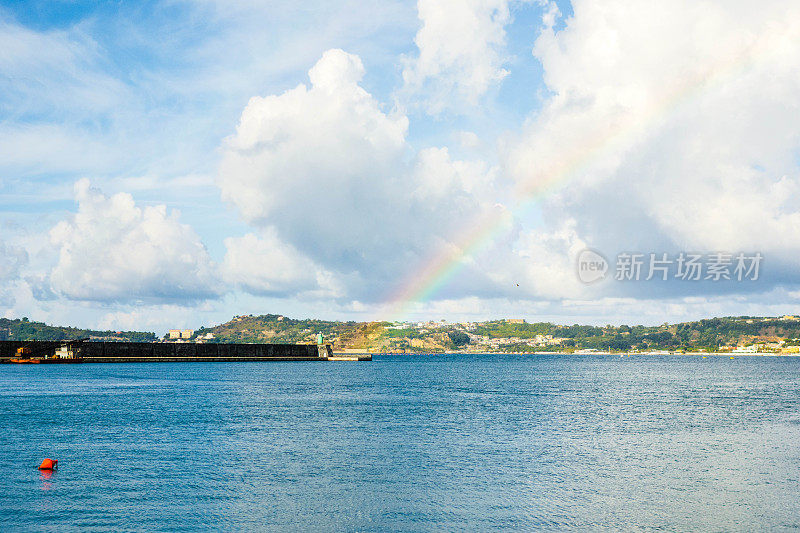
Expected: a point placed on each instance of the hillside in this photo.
(25, 330)
(770, 333)
(276, 329)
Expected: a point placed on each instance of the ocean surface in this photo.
(410, 443)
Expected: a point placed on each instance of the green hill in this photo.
(25, 330)
(513, 336)
(275, 329)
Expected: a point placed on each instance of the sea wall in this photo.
(97, 351)
(8, 349)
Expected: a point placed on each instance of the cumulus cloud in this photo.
(266, 266)
(672, 126)
(112, 250)
(460, 52)
(332, 175)
(438, 176)
(12, 259)
(546, 263)
(332, 132)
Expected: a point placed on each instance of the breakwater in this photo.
(127, 352)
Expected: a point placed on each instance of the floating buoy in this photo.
(49, 464)
(731, 357)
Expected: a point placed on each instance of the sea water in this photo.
(439, 442)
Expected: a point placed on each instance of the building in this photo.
(180, 333)
(515, 320)
(65, 351)
(746, 349)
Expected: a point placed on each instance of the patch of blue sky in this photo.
(505, 106)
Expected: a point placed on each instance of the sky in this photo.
(175, 163)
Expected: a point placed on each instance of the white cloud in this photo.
(546, 268)
(36, 149)
(112, 250)
(333, 132)
(468, 140)
(266, 266)
(156, 318)
(672, 126)
(596, 311)
(460, 56)
(437, 176)
(12, 260)
(332, 173)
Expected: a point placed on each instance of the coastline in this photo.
(671, 354)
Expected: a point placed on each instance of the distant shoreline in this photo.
(703, 354)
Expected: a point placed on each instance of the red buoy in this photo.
(49, 464)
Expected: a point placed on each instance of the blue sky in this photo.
(422, 118)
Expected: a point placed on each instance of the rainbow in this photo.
(423, 283)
